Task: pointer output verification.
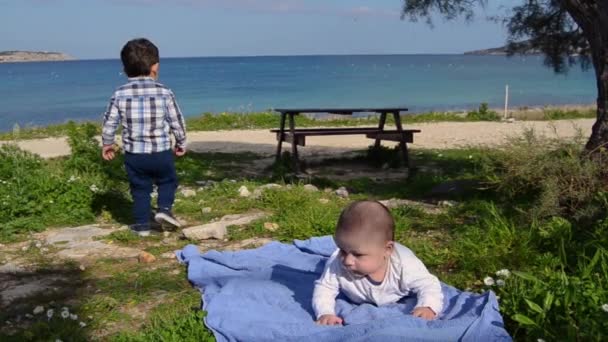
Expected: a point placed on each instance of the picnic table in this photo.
(297, 136)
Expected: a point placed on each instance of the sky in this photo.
(95, 29)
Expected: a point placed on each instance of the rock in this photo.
(166, 234)
(271, 186)
(82, 268)
(175, 272)
(257, 193)
(168, 255)
(323, 200)
(11, 268)
(271, 226)
(146, 258)
(427, 208)
(244, 192)
(511, 120)
(342, 192)
(217, 230)
(328, 190)
(80, 242)
(248, 243)
(447, 204)
(188, 193)
(38, 310)
(310, 188)
(25, 248)
(206, 210)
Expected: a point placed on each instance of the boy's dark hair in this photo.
(138, 56)
(371, 217)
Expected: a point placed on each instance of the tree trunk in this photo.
(592, 17)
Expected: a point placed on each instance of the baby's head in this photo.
(140, 58)
(365, 235)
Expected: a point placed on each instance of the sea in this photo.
(42, 93)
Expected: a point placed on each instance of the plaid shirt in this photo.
(149, 113)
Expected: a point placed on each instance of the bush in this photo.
(483, 114)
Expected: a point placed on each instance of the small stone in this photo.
(244, 192)
(38, 310)
(175, 272)
(310, 188)
(257, 193)
(29, 316)
(25, 248)
(342, 192)
(146, 258)
(166, 234)
(201, 183)
(168, 255)
(82, 268)
(271, 186)
(44, 250)
(188, 193)
(206, 210)
(511, 120)
(271, 226)
(38, 244)
(323, 200)
(446, 204)
(328, 190)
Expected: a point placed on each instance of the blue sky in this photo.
(98, 28)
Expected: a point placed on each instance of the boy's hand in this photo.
(180, 151)
(107, 152)
(329, 320)
(424, 312)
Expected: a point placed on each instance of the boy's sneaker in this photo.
(166, 218)
(140, 229)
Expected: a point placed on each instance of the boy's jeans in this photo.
(143, 170)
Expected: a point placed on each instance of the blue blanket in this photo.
(265, 295)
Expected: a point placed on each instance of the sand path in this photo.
(434, 135)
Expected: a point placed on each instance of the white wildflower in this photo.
(605, 307)
(38, 310)
(72, 179)
(65, 308)
(73, 317)
(440, 155)
(51, 201)
(505, 273)
(470, 156)
(500, 282)
(65, 314)
(50, 313)
(82, 324)
(94, 188)
(489, 281)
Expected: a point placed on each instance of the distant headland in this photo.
(523, 47)
(33, 56)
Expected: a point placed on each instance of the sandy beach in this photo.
(434, 135)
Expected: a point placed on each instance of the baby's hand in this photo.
(424, 312)
(329, 320)
(180, 151)
(107, 152)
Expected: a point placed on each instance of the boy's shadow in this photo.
(114, 202)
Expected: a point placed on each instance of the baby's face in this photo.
(363, 256)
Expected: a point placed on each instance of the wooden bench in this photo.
(297, 137)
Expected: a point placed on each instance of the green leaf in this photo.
(523, 319)
(535, 307)
(548, 301)
(526, 276)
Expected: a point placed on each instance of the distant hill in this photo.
(501, 51)
(32, 56)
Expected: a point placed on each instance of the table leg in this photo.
(402, 142)
(281, 137)
(294, 143)
(380, 128)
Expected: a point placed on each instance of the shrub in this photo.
(483, 114)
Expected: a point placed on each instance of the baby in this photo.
(369, 267)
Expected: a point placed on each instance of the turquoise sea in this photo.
(54, 92)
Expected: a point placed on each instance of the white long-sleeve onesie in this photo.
(406, 274)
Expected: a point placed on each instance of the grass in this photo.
(556, 250)
(266, 120)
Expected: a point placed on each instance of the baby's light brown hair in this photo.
(369, 218)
